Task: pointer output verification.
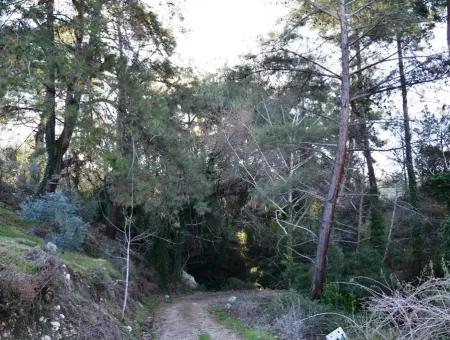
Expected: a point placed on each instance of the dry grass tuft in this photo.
(419, 311)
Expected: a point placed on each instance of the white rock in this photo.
(232, 299)
(46, 337)
(188, 280)
(62, 316)
(55, 325)
(68, 277)
(129, 329)
(51, 247)
(167, 297)
(41, 319)
(57, 307)
(227, 306)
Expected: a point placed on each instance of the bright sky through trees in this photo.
(218, 32)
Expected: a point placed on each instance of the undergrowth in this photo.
(246, 332)
(204, 336)
(142, 314)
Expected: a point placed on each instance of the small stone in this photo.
(46, 337)
(227, 306)
(62, 316)
(57, 307)
(232, 299)
(129, 329)
(68, 277)
(51, 247)
(55, 325)
(41, 319)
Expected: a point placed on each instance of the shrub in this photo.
(287, 314)
(57, 209)
(235, 283)
(408, 312)
(298, 276)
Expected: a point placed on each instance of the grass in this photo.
(204, 336)
(11, 218)
(85, 265)
(142, 313)
(14, 226)
(12, 255)
(246, 332)
(15, 240)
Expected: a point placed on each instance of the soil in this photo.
(186, 318)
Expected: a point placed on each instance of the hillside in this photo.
(60, 295)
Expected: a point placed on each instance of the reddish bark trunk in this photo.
(339, 165)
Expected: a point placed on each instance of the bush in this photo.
(235, 283)
(298, 276)
(57, 209)
(408, 312)
(287, 314)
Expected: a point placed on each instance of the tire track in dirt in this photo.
(188, 317)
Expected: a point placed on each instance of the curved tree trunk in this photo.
(341, 155)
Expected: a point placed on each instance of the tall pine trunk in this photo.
(361, 111)
(412, 182)
(341, 155)
(448, 24)
(76, 84)
(416, 262)
(49, 110)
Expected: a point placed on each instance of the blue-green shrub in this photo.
(59, 210)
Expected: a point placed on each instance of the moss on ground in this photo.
(85, 265)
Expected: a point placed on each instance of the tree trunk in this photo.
(339, 165)
(417, 257)
(75, 85)
(376, 216)
(72, 108)
(448, 24)
(49, 110)
(412, 182)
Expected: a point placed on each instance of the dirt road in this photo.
(188, 317)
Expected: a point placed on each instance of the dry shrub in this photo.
(290, 324)
(21, 291)
(419, 311)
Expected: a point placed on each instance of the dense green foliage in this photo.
(226, 176)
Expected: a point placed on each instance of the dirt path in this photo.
(186, 318)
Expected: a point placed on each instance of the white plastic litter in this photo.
(337, 334)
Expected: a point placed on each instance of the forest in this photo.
(317, 166)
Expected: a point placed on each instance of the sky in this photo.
(218, 31)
